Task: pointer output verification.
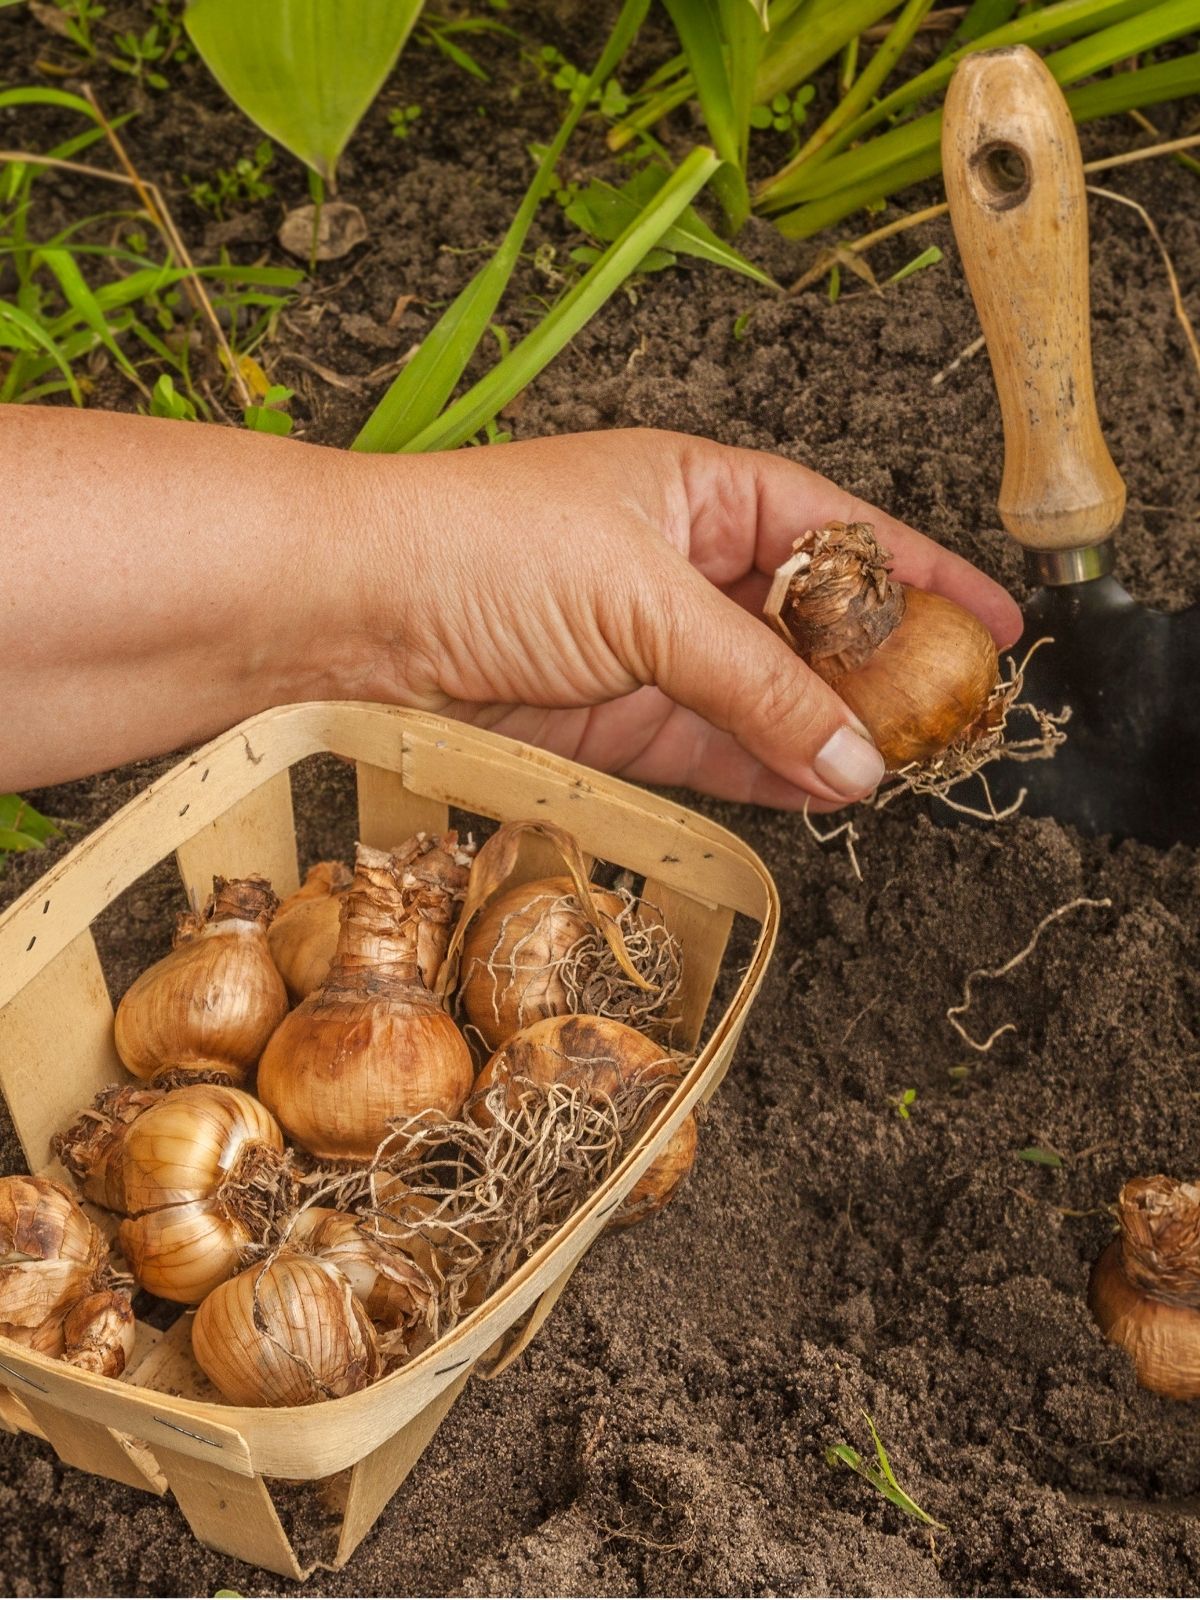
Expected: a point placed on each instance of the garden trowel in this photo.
(1131, 676)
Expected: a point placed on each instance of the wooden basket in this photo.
(228, 809)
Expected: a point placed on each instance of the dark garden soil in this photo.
(667, 1431)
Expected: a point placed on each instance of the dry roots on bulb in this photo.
(51, 1254)
(398, 1294)
(372, 1044)
(211, 1005)
(1145, 1288)
(917, 670)
(288, 1332)
(304, 935)
(605, 1057)
(558, 945)
(204, 1178)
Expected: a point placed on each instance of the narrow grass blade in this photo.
(858, 169)
(36, 338)
(863, 91)
(1039, 29)
(427, 382)
(881, 1477)
(304, 70)
(83, 302)
(483, 402)
(1166, 80)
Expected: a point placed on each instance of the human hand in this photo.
(600, 594)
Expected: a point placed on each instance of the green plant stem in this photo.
(427, 382)
(468, 415)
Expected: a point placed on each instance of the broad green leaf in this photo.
(304, 70)
(427, 382)
(485, 400)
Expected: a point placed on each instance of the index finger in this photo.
(749, 506)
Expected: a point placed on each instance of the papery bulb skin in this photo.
(99, 1333)
(215, 1000)
(397, 1293)
(91, 1147)
(513, 955)
(290, 1333)
(662, 1179)
(304, 931)
(373, 1043)
(595, 1052)
(1145, 1288)
(304, 935)
(915, 668)
(51, 1253)
(203, 1174)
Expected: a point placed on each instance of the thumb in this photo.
(706, 653)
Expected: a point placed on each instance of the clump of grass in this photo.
(877, 141)
(880, 1476)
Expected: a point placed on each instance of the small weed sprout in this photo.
(905, 1103)
(21, 827)
(881, 1477)
(230, 187)
(401, 119)
(609, 99)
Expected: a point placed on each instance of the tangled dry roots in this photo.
(484, 1199)
(988, 740)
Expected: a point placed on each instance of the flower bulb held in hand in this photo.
(916, 669)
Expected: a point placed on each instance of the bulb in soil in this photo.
(1145, 1288)
(918, 671)
(211, 1005)
(204, 1177)
(372, 1044)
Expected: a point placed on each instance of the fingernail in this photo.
(849, 763)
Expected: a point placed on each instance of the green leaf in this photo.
(881, 1477)
(927, 258)
(81, 300)
(20, 322)
(166, 401)
(488, 397)
(1038, 1157)
(304, 70)
(417, 396)
(605, 212)
(18, 816)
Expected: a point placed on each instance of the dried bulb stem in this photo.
(834, 601)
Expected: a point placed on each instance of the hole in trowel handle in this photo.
(1003, 175)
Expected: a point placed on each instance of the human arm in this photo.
(597, 594)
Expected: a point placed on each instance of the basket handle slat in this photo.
(230, 1513)
(703, 932)
(388, 813)
(375, 1479)
(56, 1047)
(92, 1447)
(258, 834)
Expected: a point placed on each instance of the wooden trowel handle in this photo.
(1014, 179)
